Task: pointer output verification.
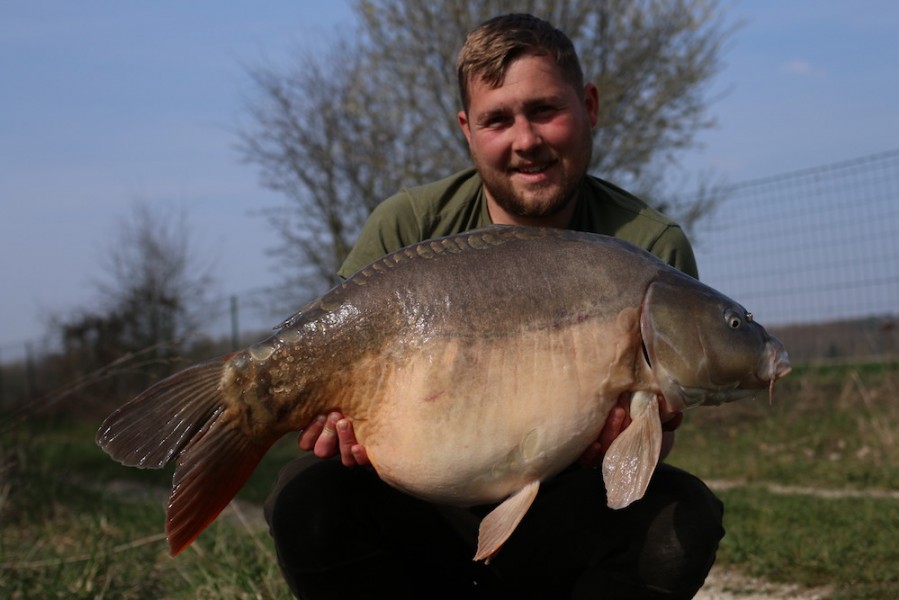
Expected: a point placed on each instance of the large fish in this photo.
(473, 367)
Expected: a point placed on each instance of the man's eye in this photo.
(497, 121)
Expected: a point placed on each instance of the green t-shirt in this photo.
(457, 204)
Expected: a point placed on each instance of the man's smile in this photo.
(533, 168)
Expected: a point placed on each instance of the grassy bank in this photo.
(829, 444)
(74, 524)
(77, 525)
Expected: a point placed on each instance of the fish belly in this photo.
(463, 421)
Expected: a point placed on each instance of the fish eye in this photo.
(733, 319)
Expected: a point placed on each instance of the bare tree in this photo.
(155, 283)
(150, 298)
(323, 141)
(339, 133)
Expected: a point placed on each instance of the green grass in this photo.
(104, 547)
(847, 544)
(75, 524)
(835, 428)
(66, 531)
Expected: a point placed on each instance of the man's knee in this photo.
(697, 514)
(682, 538)
(303, 504)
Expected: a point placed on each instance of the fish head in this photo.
(702, 347)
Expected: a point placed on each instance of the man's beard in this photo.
(549, 204)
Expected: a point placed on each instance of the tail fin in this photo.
(184, 418)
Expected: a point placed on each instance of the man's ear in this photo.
(463, 124)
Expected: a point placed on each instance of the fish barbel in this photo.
(473, 367)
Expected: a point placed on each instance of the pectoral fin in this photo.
(501, 522)
(631, 459)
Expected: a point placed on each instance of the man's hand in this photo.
(329, 434)
(619, 418)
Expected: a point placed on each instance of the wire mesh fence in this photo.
(811, 246)
(814, 254)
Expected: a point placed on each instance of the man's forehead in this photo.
(524, 82)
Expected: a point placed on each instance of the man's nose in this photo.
(525, 136)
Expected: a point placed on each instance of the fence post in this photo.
(30, 376)
(235, 338)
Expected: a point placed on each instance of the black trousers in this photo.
(341, 533)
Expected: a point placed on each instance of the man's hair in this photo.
(495, 44)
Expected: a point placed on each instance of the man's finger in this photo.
(310, 434)
(360, 455)
(346, 439)
(326, 444)
(615, 423)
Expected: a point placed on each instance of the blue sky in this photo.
(106, 102)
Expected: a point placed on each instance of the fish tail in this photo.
(184, 418)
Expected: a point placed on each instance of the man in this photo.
(343, 533)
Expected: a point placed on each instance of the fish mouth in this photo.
(776, 363)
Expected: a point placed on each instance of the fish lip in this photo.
(775, 364)
(776, 368)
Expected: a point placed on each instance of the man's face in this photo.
(530, 139)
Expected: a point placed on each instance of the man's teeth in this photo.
(531, 170)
